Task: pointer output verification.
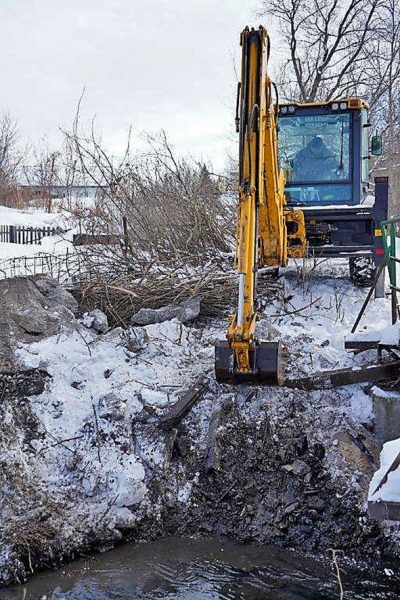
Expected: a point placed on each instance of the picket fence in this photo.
(18, 234)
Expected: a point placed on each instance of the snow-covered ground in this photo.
(321, 316)
(99, 377)
(100, 381)
(29, 217)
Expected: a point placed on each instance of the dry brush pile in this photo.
(121, 296)
(172, 231)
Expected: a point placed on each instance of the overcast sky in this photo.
(152, 64)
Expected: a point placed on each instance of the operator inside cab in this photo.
(315, 162)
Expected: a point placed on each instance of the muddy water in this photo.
(182, 569)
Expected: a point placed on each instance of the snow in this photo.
(89, 373)
(30, 217)
(49, 245)
(390, 490)
(379, 393)
(33, 217)
(389, 335)
(368, 201)
(99, 385)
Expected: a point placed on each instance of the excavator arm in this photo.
(261, 235)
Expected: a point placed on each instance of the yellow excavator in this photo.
(310, 195)
(267, 231)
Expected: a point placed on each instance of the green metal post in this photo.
(389, 229)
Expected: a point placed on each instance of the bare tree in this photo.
(46, 174)
(383, 69)
(167, 227)
(171, 207)
(69, 173)
(334, 49)
(325, 43)
(11, 158)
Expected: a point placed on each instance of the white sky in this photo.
(154, 64)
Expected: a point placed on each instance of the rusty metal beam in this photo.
(348, 376)
(384, 511)
(369, 373)
(371, 291)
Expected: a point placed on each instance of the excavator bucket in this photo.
(265, 362)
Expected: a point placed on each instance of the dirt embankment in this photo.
(278, 467)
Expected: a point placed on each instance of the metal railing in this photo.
(390, 227)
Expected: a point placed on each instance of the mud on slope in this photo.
(264, 468)
(273, 466)
(276, 466)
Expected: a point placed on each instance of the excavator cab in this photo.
(324, 148)
(266, 231)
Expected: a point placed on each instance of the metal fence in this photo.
(390, 229)
(18, 234)
(66, 268)
(70, 268)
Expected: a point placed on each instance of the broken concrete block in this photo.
(182, 312)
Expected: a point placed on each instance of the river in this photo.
(212, 569)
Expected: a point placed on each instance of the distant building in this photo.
(62, 191)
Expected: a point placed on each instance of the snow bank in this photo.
(389, 489)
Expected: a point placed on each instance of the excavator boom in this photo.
(261, 235)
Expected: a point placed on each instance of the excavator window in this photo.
(314, 151)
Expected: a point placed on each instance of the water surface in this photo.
(213, 569)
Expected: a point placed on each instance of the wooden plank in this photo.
(361, 344)
(183, 406)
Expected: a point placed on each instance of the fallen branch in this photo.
(226, 492)
(121, 296)
(109, 507)
(53, 437)
(298, 310)
(337, 571)
(97, 433)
